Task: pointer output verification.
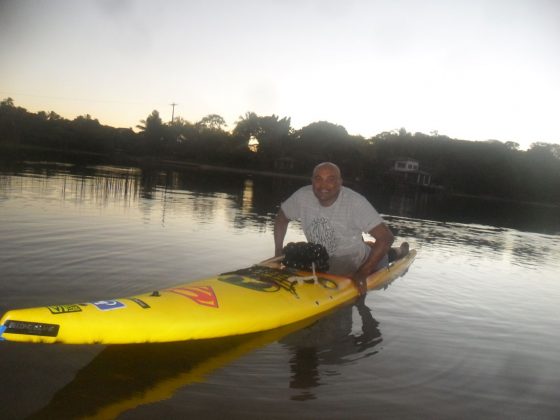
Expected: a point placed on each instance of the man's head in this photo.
(326, 181)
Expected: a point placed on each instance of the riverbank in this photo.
(217, 168)
(9, 153)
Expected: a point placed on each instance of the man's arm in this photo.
(280, 228)
(383, 240)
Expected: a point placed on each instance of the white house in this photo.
(407, 171)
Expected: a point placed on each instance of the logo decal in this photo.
(64, 309)
(263, 279)
(31, 328)
(109, 305)
(140, 303)
(203, 295)
(252, 284)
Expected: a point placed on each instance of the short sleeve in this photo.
(292, 207)
(365, 215)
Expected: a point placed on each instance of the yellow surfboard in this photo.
(254, 299)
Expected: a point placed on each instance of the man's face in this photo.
(326, 183)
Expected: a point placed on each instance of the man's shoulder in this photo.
(350, 194)
(304, 193)
(298, 203)
(306, 188)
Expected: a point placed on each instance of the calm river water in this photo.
(472, 331)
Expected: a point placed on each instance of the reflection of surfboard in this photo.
(122, 378)
(255, 299)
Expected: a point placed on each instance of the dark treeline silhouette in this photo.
(269, 143)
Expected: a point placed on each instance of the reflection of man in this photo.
(335, 217)
(330, 341)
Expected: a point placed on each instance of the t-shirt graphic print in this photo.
(320, 231)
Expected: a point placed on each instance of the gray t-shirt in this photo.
(338, 227)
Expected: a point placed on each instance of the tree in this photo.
(272, 133)
(182, 130)
(153, 132)
(325, 141)
(247, 126)
(182, 135)
(7, 103)
(323, 137)
(511, 145)
(53, 116)
(152, 124)
(212, 122)
(545, 150)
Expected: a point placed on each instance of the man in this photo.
(335, 216)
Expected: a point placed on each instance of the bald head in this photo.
(329, 167)
(326, 182)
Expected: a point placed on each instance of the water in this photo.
(472, 331)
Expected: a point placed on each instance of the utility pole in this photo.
(173, 111)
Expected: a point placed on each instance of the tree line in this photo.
(489, 168)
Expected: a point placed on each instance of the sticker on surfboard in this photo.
(64, 309)
(108, 305)
(203, 295)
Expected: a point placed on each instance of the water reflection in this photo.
(533, 217)
(239, 202)
(257, 198)
(247, 215)
(403, 203)
(201, 196)
(331, 341)
(518, 247)
(206, 196)
(236, 201)
(81, 186)
(123, 377)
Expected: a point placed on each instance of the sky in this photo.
(468, 69)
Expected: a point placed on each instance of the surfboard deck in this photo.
(258, 298)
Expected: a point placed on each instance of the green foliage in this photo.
(272, 134)
(490, 168)
(324, 141)
(48, 130)
(212, 122)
